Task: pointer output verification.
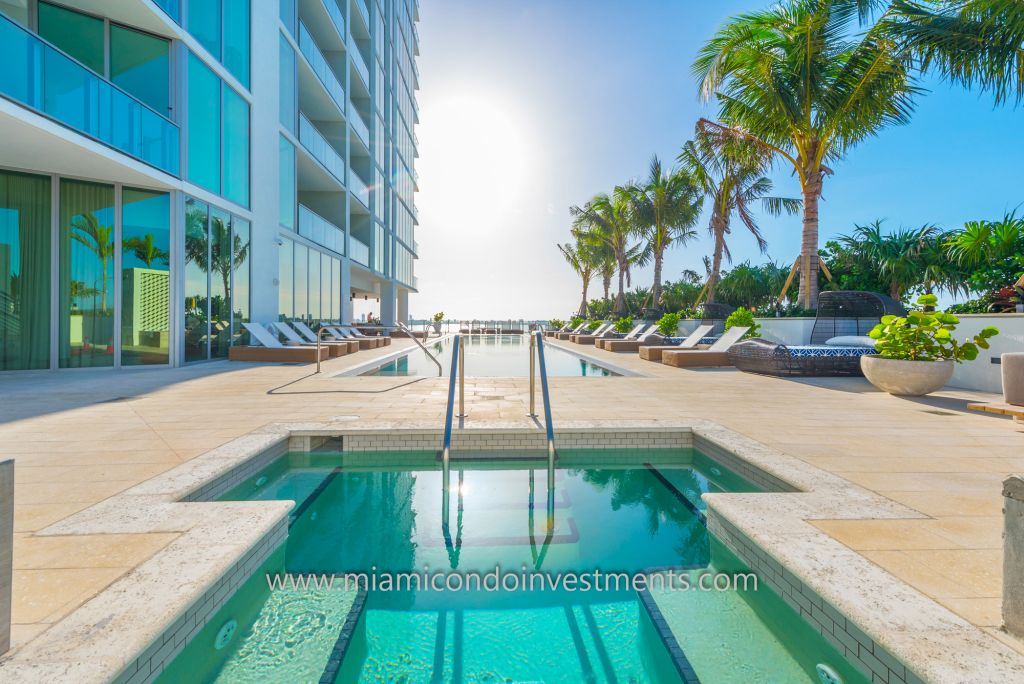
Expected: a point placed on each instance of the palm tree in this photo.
(731, 176)
(802, 83)
(87, 231)
(145, 250)
(606, 221)
(666, 207)
(577, 257)
(991, 252)
(899, 257)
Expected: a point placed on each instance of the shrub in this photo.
(743, 317)
(926, 336)
(594, 325)
(439, 316)
(624, 324)
(556, 324)
(668, 325)
(575, 322)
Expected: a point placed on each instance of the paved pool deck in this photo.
(81, 437)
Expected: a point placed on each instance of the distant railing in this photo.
(360, 252)
(337, 17)
(317, 144)
(320, 230)
(360, 127)
(320, 67)
(364, 10)
(359, 188)
(39, 76)
(360, 64)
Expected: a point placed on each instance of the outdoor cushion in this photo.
(814, 350)
(851, 341)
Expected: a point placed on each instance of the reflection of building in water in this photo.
(146, 308)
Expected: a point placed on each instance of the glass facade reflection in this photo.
(25, 219)
(86, 282)
(197, 255)
(145, 277)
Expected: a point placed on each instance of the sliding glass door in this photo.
(145, 277)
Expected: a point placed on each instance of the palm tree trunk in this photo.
(103, 265)
(808, 294)
(656, 289)
(620, 298)
(583, 302)
(607, 282)
(719, 226)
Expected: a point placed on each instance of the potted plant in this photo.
(575, 322)
(743, 318)
(668, 325)
(594, 325)
(624, 325)
(556, 324)
(438, 317)
(916, 352)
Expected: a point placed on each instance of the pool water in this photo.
(492, 356)
(622, 512)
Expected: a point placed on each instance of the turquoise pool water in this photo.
(613, 512)
(492, 356)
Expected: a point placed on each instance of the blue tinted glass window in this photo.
(289, 94)
(203, 125)
(139, 64)
(236, 39)
(287, 180)
(204, 24)
(236, 147)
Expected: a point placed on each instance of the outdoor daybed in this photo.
(838, 339)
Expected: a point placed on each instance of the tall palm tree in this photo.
(606, 221)
(580, 261)
(803, 83)
(87, 231)
(665, 206)
(145, 250)
(731, 176)
(898, 257)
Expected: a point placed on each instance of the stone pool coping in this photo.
(130, 630)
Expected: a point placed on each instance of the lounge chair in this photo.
(654, 350)
(588, 338)
(648, 337)
(834, 350)
(383, 340)
(631, 335)
(552, 333)
(269, 349)
(296, 335)
(308, 334)
(347, 333)
(575, 331)
(715, 355)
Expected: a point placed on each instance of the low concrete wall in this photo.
(982, 374)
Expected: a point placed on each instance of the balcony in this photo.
(360, 252)
(360, 127)
(337, 18)
(364, 11)
(40, 77)
(360, 64)
(314, 227)
(316, 144)
(320, 67)
(360, 189)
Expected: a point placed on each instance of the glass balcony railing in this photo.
(360, 64)
(359, 189)
(363, 10)
(360, 252)
(322, 150)
(37, 75)
(315, 227)
(337, 18)
(359, 126)
(320, 66)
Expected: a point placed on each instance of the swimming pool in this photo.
(491, 356)
(620, 512)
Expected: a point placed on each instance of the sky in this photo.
(530, 106)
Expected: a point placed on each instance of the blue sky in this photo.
(529, 106)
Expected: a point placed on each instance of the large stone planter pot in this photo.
(437, 328)
(1013, 377)
(906, 378)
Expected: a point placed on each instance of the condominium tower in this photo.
(171, 169)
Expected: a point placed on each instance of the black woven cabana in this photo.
(840, 313)
(714, 314)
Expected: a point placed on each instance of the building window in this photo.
(217, 257)
(86, 257)
(287, 85)
(286, 277)
(236, 147)
(25, 202)
(145, 277)
(236, 39)
(203, 22)
(140, 64)
(289, 15)
(302, 282)
(79, 35)
(204, 125)
(286, 178)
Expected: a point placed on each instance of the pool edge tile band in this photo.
(675, 651)
(337, 657)
(678, 494)
(308, 501)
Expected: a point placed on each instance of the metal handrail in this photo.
(446, 447)
(404, 328)
(547, 397)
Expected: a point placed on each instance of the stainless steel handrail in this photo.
(547, 397)
(319, 338)
(404, 328)
(533, 377)
(446, 447)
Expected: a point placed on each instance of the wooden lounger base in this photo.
(283, 355)
(695, 358)
(562, 336)
(654, 352)
(583, 339)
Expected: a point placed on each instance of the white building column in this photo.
(403, 305)
(387, 302)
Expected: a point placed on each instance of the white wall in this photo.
(981, 374)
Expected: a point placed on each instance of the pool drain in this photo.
(827, 674)
(227, 630)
